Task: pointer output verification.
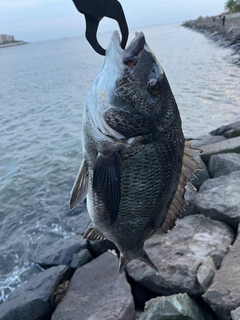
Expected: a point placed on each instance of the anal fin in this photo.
(92, 234)
(189, 165)
(80, 187)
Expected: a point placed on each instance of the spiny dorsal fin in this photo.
(80, 187)
(92, 234)
(189, 165)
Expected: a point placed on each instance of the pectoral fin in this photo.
(107, 183)
(80, 187)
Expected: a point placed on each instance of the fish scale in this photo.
(136, 161)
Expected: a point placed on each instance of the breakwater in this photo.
(227, 34)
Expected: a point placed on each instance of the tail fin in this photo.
(123, 261)
(145, 258)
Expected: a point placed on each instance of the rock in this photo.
(98, 247)
(219, 199)
(81, 258)
(98, 292)
(225, 146)
(35, 299)
(232, 133)
(223, 129)
(201, 175)
(235, 314)
(205, 273)
(224, 163)
(223, 296)
(207, 139)
(61, 252)
(180, 253)
(177, 307)
(190, 197)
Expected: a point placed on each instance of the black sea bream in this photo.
(136, 161)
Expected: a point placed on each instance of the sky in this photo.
(40, 20)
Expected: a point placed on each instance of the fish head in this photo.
(144, 84)
(133, 80)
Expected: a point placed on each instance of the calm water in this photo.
(42, 92)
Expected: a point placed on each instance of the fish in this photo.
(136, 161)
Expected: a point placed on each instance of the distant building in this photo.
(5, 38)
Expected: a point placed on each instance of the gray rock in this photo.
(35, 299)
(232, 133)
(81, 258)
(222, 164)
(207, 139)
(235, 314)
(219, 199)
(201, 175)
(190, 197)
(61, 252)
(98, 292)
(223, 296)
(223, 129)
(177, 307)
(179, 254)
(98, 247)
(205, 273)
(225, 146)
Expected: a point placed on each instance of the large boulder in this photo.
(224, 163)
(219, 199)
(177, 307)
(235, 314)
(223, 296)
(201, 175)
(81, 258)
(224, 146)
(61, 252)
(179, 254)
(35, 299)
(190, 197)
(223, 129)
(232, 133)
(207, 139)
(98, 292)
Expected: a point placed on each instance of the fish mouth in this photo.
(133, 52)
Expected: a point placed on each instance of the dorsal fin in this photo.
(189, 165)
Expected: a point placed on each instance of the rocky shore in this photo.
(227, 35)
(199, 261)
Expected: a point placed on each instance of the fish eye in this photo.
(153, 87)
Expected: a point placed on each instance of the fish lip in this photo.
(114, 46)
(132, 53)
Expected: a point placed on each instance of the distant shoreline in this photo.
(12, 44)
